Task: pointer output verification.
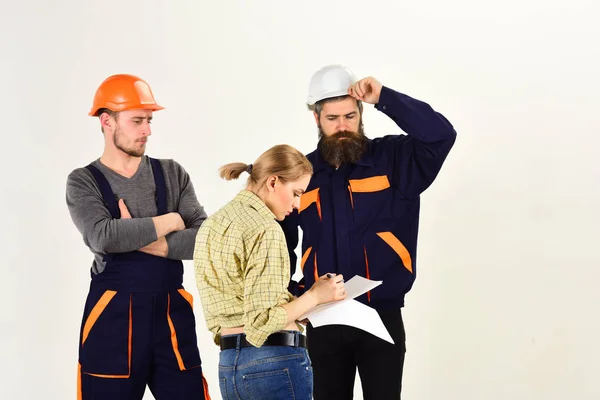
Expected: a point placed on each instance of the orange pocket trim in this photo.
(316, 271)
(319, 207)
(304, 258)
(308, 198)
(174, 336)
(368, 185)
(95, 313)
(187, 296)
(79, 392)
(398, 247)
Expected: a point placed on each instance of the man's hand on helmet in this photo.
(367, 90)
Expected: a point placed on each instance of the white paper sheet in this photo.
(350, 312)
(354, 288)
(353, 313)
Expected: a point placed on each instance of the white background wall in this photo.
(506, 303)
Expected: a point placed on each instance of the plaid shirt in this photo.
(242, 269)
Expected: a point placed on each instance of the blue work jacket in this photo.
(363, 219)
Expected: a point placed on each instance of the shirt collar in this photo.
(251, 199)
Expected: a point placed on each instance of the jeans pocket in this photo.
(223, 387)
(274, 384)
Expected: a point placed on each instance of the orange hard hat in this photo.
(124, 92)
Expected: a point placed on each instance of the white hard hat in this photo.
(329, 81)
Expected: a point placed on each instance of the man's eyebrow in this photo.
(337, 115)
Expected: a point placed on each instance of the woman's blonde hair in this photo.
(282, 160)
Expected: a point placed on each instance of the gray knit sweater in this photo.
(104, 234)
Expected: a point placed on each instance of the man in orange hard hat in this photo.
(139, 217)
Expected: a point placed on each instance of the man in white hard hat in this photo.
(359, 216)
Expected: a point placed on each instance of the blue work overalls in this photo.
(138, 324)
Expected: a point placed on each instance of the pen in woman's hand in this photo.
(332, 275)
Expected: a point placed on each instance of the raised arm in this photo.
(418, 156)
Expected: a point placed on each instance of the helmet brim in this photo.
(311, 101)
(152, 107)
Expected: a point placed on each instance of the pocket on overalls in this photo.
(182, 323)
(106, 334)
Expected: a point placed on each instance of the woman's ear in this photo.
(271, 182)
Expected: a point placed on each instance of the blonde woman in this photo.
(243, 271)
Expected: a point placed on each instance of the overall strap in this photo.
(161, 186)
(107, 193)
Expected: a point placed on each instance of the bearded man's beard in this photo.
(344, 147)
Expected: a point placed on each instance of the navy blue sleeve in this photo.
(419, 155)
(290, 229)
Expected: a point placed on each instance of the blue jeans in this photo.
(268, 372)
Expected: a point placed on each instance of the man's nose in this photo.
(146, 130)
